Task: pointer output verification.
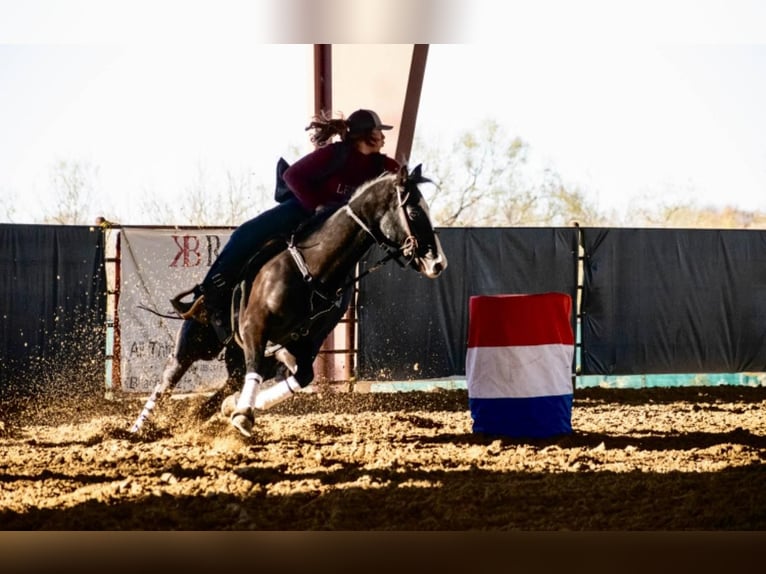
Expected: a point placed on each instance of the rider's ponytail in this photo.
(325, 128)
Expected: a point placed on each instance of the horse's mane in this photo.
(369, 183)
(317, 220)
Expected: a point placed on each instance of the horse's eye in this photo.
(413, 213)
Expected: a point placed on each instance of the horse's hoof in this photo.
(229, 405)
(243, 423)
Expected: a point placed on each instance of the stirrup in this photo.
(194, 310)
(197, 311)
(180, 306)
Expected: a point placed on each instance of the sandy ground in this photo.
(651, 459)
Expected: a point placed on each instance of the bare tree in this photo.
(197, 203)
(208, 202)
(242, 199)
(7, 206)
(484, 179)
(689, 215)
(73, 186)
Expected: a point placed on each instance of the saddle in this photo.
(223, 322)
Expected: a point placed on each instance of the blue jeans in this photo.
(248, 238)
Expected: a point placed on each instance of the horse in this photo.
(298, 295)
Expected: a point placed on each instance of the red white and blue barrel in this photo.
(519, 364)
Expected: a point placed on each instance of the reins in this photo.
(163, 315)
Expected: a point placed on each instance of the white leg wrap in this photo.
(275, 394)
(247, 396)
(146, 412)
(143, 416)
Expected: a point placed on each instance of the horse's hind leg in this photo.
(193, 342)
(235, 372)
(172, 373)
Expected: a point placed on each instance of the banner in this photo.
(156, 264)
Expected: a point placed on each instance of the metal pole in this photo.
(323, 102)
(322, 77)
(116, 343)
(411, 102)
(350, 318)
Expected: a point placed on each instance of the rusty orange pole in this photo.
(322, 77)
(323, 102)
(116, 343)
(411, 102)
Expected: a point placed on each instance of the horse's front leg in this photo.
(252, 329)
(297, 373)
(299, 359)
(300, 373)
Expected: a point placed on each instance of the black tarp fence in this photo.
(673, 301)
(52, 309)
(646, 301)
(411, 327)
(653, 301)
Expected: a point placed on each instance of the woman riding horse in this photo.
(294, 292)
(323, 179)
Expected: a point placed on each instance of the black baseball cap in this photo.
(365, 120)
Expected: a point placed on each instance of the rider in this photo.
(324, 178)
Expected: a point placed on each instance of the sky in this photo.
(658, 101)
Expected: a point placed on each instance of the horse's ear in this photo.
(417, 176)
(402, 175)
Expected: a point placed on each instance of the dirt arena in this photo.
(673, 459)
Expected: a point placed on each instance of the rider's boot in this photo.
(210, 305)
(189, 309)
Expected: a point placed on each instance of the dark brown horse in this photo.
(299, 295)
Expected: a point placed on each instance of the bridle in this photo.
(403, 254)
(408, 248)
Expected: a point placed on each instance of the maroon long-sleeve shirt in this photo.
(309, 180)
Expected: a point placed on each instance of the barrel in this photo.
(519, 364)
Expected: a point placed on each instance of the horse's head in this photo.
(407, 225)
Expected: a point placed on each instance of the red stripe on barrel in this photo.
(520, 320)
